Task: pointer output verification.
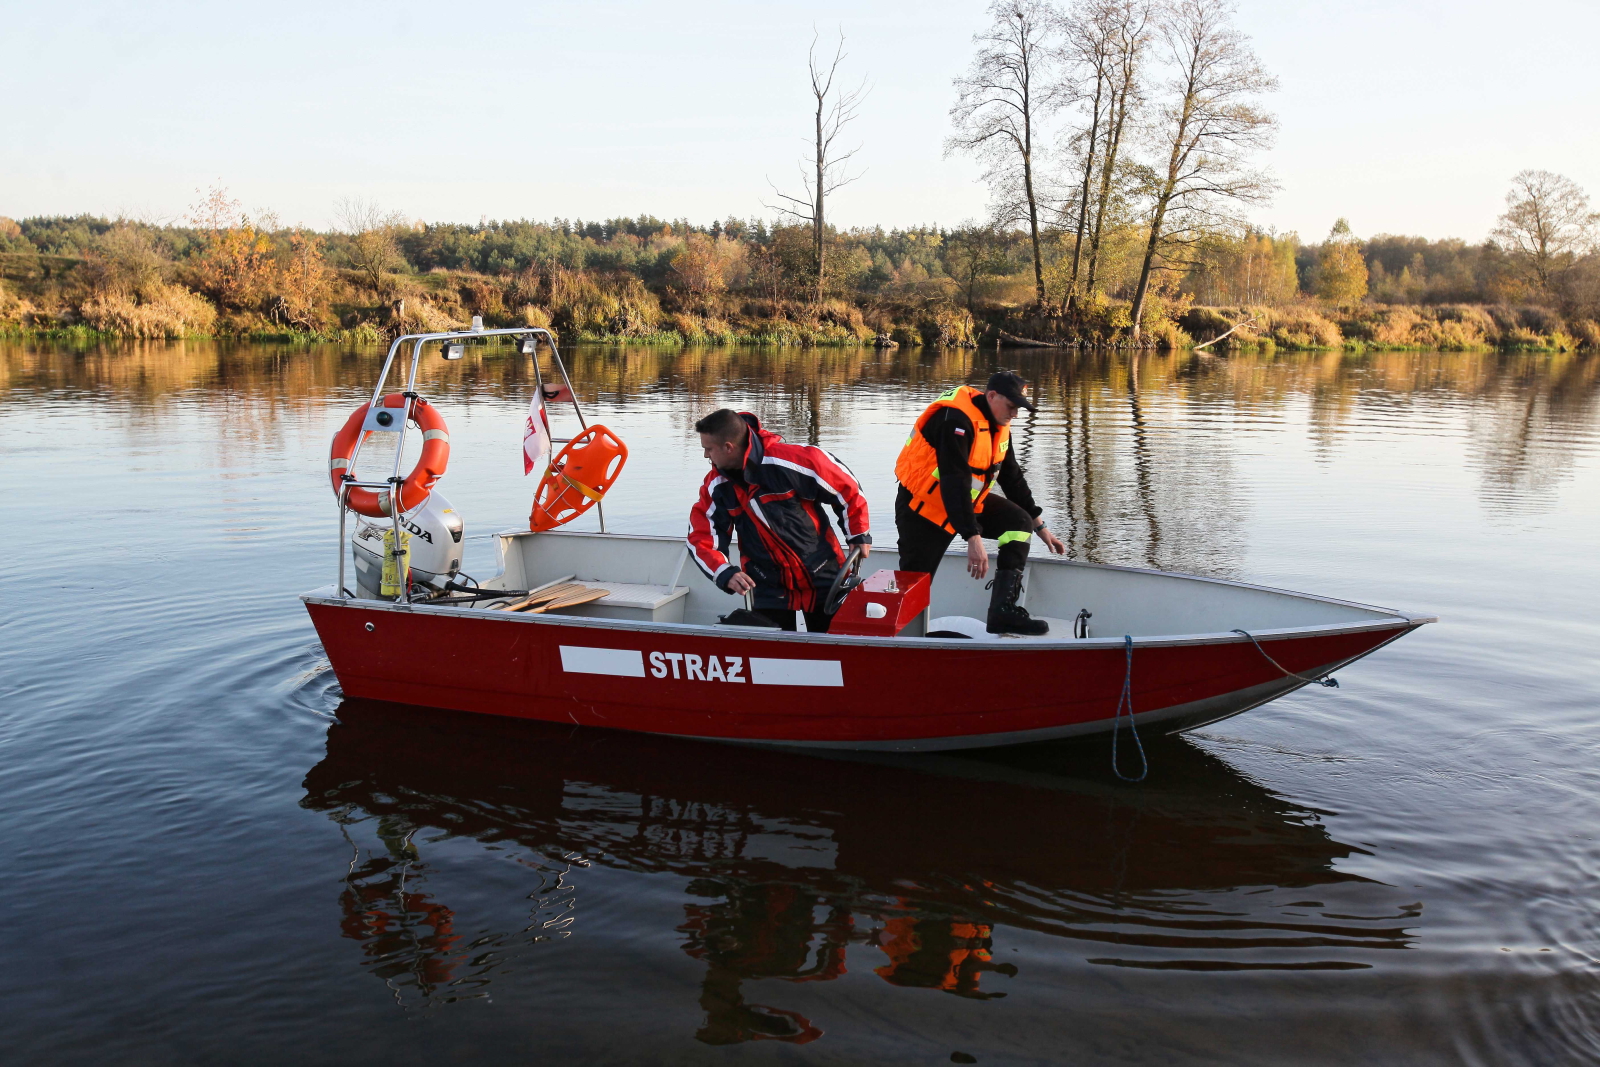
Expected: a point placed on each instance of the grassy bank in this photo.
(592, 312)
(1383, 327)
(648, 282)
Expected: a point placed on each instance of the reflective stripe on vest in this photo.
(918, 466)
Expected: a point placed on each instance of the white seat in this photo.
(625, 600)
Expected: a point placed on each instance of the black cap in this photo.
(1009, 385)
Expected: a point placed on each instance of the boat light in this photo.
(455, 351)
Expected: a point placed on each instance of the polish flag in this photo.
(536, 437)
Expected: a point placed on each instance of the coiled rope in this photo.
(1329, 682)
(1116, 722)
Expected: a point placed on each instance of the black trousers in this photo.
(922, 543)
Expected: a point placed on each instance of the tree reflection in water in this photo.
(795, 865)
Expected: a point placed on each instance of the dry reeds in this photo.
(166, 313)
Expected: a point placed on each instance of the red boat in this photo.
(907, 667)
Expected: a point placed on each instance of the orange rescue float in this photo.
(418, 484)
(578, 477)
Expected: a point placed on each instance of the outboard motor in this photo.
(434, 541)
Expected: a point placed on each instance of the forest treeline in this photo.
(1119, 140)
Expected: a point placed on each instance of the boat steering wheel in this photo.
(848, 578)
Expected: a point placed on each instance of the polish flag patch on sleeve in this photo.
(960, 432)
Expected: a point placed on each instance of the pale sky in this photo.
(1406, 116)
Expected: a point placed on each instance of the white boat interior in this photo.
(651, 580)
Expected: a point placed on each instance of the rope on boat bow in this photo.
(1116, 721)
(1329, 682)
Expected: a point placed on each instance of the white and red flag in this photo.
(536, 436)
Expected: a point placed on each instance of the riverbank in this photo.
(1395, 328)
(645, 281)
(1453, 328)
(81, 299)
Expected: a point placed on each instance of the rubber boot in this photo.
(1005, 616)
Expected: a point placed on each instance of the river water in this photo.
(210, 857)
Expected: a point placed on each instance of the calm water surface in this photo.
(211, 857)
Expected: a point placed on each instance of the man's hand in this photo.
(1051, 541)
(977, 557)
(740, 583)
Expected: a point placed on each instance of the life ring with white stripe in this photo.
(418, 484)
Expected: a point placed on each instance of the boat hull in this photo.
(811, 690)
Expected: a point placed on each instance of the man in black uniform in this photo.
(958, 451)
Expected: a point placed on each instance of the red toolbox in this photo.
(884, 604)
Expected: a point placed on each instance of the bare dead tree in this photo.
(1547, 222)
(1001, 105)
(834, 111)
(1208, 127)
(1242, 324)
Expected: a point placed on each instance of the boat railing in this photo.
(452, 347)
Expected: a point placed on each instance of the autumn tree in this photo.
(835, 109)
(1103, 46)
(302, 283)
(371, 245)
(1208, 127)
(237, 266)
(1002, 105)
(972, 253)
(1547, 223)
(125, 261)
(697, 271)
(1341, 272)
(1248, 268)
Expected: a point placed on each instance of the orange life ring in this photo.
(418, 484)
(578, 477)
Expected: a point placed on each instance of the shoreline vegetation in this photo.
(649, 281)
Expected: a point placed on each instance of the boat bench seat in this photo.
(640, 603)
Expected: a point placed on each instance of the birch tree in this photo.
(1002, 103)
(1547, 221)
(1208, 126)
(1340, 276)
(1103, 45)
(835, 109)
(1128, 36)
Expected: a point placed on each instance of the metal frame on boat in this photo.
(534, 333)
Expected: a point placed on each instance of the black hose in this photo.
(487, 594)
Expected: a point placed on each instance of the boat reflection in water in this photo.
(910, 866)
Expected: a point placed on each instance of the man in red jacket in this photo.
(772, 492)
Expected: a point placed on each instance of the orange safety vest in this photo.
(918, 466)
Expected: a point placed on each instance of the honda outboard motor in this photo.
(435, 535)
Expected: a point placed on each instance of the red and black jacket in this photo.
(774, 502)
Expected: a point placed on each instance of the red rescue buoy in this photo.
(578, 477)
